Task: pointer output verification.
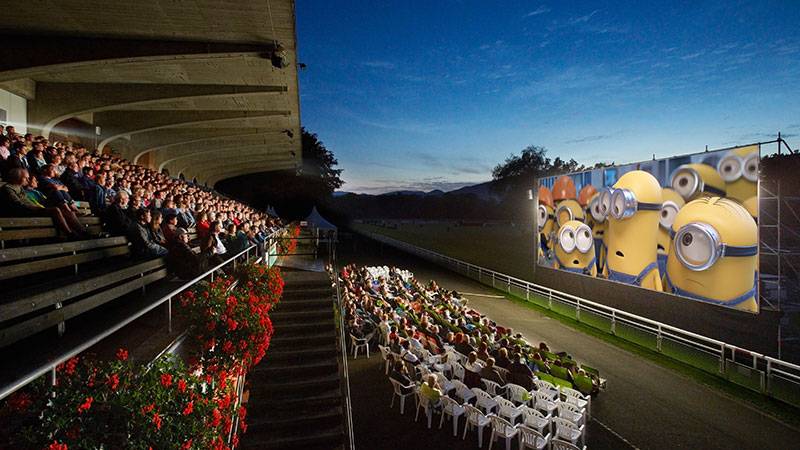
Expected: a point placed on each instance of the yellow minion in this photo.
(672, 203)
(568, 210)
(693, 181)
(575, 248)
(632, 207)
(714, 254)
(751, 205)
(739, 169)
(598, 223)
(545, 220)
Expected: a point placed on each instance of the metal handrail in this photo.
(343, 347)
(50, 365)
(700, 342)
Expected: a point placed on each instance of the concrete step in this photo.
(294, 356)
(322, 303)
(263, 405)
(303, 328)
(295, 438)
(281, 317)
(328, 415)
(296, 387)
(283, 372)
(304, 293)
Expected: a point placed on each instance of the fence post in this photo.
(527, 292)
(550, 300)
(578, 310)
(508, 286)
(768, 388)
(722, 363)
(614, 322)
(658, 339)
(492, 279)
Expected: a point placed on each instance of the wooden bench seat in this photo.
(19, 228)
(23, 314)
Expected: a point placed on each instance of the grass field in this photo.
(504, 248)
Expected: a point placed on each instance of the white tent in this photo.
(317, 221)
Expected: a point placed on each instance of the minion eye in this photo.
(583, 239)
(685, 182)
(750, 170)
(668, 212)
(567, 239)
(730, 168)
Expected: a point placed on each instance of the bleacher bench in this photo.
(38, 308)
(19, 228)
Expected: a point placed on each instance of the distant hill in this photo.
(482, 190)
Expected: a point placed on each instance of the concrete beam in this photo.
(118, 124)
(216, 139)
(24, 87)
(57, 102)
(37, 53)
(215, 178)
(221, 165)
(198, 155)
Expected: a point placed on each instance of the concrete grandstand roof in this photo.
(162, 79)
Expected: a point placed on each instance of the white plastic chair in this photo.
(385, 352)
(578, 399)
(492, 387)
(451, 408)
(558, 444)
(458, 371)
(444, 383)
(398, 392)
(535, 419)
(476, 418)
(518, 394)
(462, 391)
(568, 430)
(530, 438)
(544, 403)
(424, 403)
(507, 409)
(358, 343)
(572, 413)
(546, 388)
(501, 428)
(484, 400)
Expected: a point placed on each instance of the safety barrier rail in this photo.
(50, 366)
(767, 375)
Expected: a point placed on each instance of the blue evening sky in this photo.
(433, 94)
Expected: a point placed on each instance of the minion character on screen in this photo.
(545, 221)
(633, 208)
(590, 199)
(697, 180)
(739, 169)
(714, 255)
(575, 249)
(567, 207)
(672, 203)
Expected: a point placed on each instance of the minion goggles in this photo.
(622, 204)
(543, 216)
(698, 246)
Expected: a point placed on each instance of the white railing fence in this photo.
(767, 375)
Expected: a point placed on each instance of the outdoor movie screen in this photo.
(685, 225)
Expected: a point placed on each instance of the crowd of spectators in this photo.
(416, 320)
(155, 211)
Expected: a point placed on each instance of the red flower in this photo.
(187, 445)
(211, 325)
(122, 354)
(242, 412)
(181, 385)
(85, 405)
(148, 408)
(157, 421)
(189, 408)
(113, 382)
(57, 446)
(232, 324)
(217, 417)
(227, 347)
(166, 380)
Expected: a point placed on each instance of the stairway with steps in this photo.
(295, 396)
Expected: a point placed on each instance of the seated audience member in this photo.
(400, 375)
(181, 260)
(156, 234)
(170, 226)
(431, 390)
(491, 374)
(34, 194)
(141, 238)
(520, 374)
(14, 202)
(57, 192)
(97, 199)
(233, 242)
(407, 354)
(116, 215)
(502, 358)
(473, 363)
(203, 227)
(483, 353)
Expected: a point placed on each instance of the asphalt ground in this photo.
(644, 405)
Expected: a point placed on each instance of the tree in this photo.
(518, 172)
(319, 162)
